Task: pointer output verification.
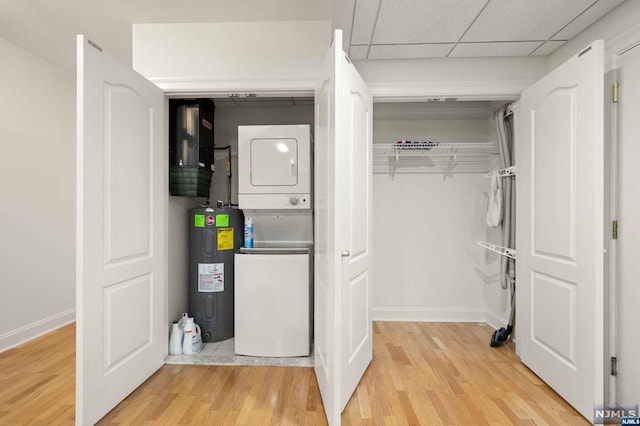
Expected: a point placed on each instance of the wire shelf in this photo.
(446, 158)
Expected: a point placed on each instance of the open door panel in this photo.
(120, 233)
(343, 175)
(560, 187)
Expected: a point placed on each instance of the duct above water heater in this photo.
(274, 167)
(191, 146)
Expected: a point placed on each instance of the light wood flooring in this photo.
(421, 374)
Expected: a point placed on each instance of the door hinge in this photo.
(614, 229)
(614, 366)
(614, 93)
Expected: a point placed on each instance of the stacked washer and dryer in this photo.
(273, 279)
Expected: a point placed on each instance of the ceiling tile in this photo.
(494, 49)
(364, 20)
(424, 21)
(409, 51)
(358, 52)
(521, 20)
(547, 48)
(598, 10)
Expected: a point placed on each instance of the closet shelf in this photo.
(435, 157)
(509, 171)
(504, 251)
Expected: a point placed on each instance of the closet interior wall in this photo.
(228, 115)
(231, 113)
(427, 266)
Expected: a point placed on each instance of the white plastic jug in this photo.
(183, 321)
(175, 341)
(192, 340)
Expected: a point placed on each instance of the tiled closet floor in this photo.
(223, 353)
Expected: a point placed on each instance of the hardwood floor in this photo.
(446, 374)
(421, 374)
(37, 380)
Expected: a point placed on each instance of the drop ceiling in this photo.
(411, 29)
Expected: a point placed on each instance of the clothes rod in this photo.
(504, 251)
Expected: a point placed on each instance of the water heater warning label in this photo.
(225, 238)
(222, 220)
(210, 277)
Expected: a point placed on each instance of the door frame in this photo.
(613, 49)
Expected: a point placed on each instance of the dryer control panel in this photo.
(274, 201)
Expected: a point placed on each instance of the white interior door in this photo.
(560, 296)
(120, 235)
(342, 340)
(355, 229)
(628, 243)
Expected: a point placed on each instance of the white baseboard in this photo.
(36, 329)
(496, 321)
(428, 314)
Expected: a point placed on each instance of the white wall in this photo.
(426, 263)
(178, 251)
(37, 196)
(469, 78)
(232, 56)
(425, 256)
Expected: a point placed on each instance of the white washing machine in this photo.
(272, 302)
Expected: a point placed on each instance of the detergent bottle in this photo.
(192, 341)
